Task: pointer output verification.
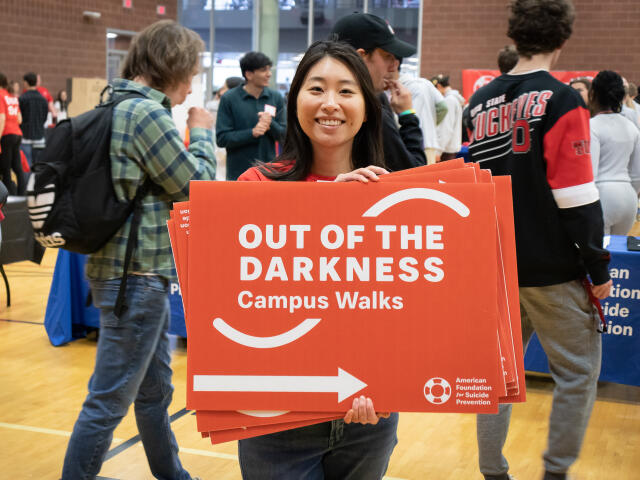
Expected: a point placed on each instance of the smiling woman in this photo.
(333, 134)
(333, 119)
(331, 112)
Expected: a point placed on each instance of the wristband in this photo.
(407, 112)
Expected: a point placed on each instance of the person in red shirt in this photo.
(334, 133)
(51, 118)
(10, 120)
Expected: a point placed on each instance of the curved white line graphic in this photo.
(263, 413)
(414, 194)
(264, 342)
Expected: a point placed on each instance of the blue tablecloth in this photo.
(621, 342)
(67, 317)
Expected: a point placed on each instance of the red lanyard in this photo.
(596, 302)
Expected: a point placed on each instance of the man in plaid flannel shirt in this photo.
(133, 356)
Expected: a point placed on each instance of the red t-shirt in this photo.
(10, 106)
(45, 93)
(254, 175)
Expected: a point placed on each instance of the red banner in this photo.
(472, 80)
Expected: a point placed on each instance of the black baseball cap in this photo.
(366, 31)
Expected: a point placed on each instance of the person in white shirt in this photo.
(627, 110)
(450, 129)
(60, 106)
(615, 154)
(212, 108)
(430, 108)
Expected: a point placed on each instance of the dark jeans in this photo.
(32, 152)
(10, 160)
(329, 450)
(132, 366)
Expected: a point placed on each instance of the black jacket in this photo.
(34, 110)
(402, 147)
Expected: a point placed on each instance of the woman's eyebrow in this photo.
(323, 79)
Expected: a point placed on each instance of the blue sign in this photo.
(621, 339)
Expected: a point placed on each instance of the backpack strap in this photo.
(141, 192)
(131, 242)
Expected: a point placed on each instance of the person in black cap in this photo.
(375, 41)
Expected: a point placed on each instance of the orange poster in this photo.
(384, 290)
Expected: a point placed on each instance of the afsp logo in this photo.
(437, 390)
(482, 81)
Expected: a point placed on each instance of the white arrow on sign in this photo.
(344, 384)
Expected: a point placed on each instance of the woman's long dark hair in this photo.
(63, 103)
(607, 91)
(297, 153)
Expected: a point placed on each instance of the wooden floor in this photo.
(42, 388)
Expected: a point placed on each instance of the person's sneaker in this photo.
(504, 476)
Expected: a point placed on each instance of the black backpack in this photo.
(70, 196)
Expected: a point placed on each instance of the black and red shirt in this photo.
(536, 129)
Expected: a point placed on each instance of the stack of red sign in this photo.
(299, 296)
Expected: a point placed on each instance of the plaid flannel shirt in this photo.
(145, 141)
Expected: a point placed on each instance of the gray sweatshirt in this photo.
(615, 149)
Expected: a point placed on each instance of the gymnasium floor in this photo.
(42, 388)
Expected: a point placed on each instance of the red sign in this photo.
(222, 425)
(472, 80)
(300, 310)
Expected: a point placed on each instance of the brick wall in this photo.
(459, 34)
(52, 38)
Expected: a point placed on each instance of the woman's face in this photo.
(63, 95)
(583, 90)
(330, 105)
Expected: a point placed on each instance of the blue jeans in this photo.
(132, 366)
(329, 450)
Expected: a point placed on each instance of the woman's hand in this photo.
(362, 175)
(363, 412)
